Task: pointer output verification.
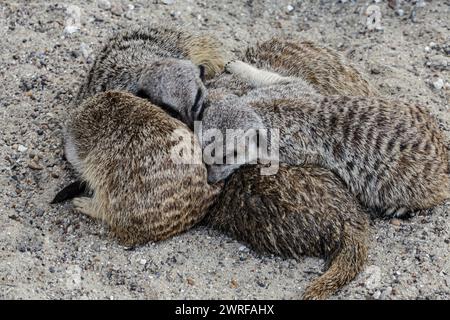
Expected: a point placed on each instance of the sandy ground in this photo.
(51, 252)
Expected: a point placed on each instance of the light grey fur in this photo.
(165, 65)
(391, 154)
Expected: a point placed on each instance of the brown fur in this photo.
(206, 51)
(323, 68)
(121, 62)
(121, 145)
(391, 154)
(299, 211)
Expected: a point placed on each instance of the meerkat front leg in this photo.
(254, 76)
(85, 206)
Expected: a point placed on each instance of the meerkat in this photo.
(391, 154)
(325, 69)
(299, 211)
(165, 65)
(298, 66)
(123, 148)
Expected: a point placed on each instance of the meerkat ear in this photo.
(202, 72)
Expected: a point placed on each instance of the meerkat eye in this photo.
(202, 72)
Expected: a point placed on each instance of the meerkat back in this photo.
(298, 211)
(391, 154)
(291, 69)
(323, 68)
(125, 149)
(121, 62)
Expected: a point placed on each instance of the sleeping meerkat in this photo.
(165, 65)
(391, 154)
(323, 68)
(299, 211)
(162, 64)
(123, 148)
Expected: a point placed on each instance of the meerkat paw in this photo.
(232, 66)
(84, 205)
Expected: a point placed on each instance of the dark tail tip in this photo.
(71, 191)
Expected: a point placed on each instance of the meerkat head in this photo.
(230, 137)
(176, 86)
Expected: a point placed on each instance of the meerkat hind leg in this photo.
(254, 76)
(85, 206)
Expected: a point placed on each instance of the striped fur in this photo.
(163, 64)
(323, 68)
(123, 146)
(391, 154)
(299, 211)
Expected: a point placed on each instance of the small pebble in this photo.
(375, 70)
(129, 13)
(396, 222)
(290, 8)
(73, 19)
(190, 281)
(373, 277)
(34, 166)
(168, 2)
(104, 4)
(386, 293)
(243, 249)
(175, 14)
(393, 4)
(71, 29)
(143, 261)
(260, 283)
(400, 12)
(22, 148)
(438, 84)
(117, 9)
(85, 50)
(377, 294)
(420, 4)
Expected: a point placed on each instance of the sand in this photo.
(51, 252)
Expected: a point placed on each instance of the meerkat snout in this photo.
(176, 86)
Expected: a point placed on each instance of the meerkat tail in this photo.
(347, 262)
(73, 190)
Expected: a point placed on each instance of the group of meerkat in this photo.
(344, 152)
